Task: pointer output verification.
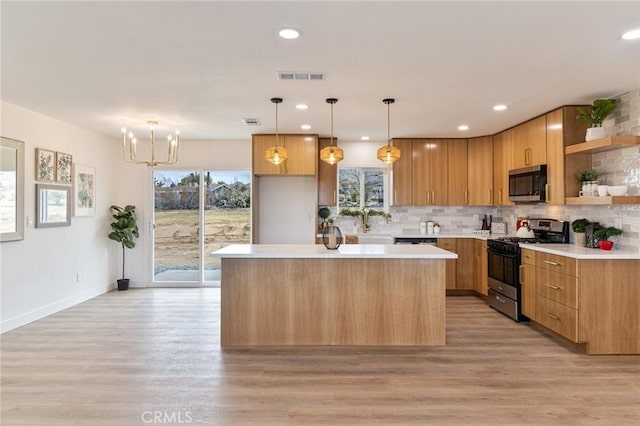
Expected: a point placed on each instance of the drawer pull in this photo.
(548, 262)
(500, 300)
(555, 317)
(553, 287)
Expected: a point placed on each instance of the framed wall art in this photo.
(53, 205)
(84, 190)
(63, 167)
(45, 165)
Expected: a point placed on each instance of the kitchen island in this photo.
(356, 295)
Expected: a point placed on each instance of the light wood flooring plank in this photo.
(110, 360)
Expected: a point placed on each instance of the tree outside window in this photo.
(361, 187)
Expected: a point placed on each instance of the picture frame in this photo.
(53, 205)
(63, 167)
(45, 165)
(84, 190)
(11, 190)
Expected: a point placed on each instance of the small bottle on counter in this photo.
(436, 228)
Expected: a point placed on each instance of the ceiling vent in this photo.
(251, 121)
(298, 75)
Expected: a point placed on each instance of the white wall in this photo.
(38, 274)
(136, 184)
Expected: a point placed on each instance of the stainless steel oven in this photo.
(503, 256)
(503, 277)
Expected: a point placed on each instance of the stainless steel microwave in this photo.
(528, 184)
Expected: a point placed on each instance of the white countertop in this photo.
(579, 252)
(354, 251)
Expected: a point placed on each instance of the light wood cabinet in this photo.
(301, 149)
(430, 172)
(402, 174)
(449, 244)
(528, 283)
(465, 247)
(480, 269)
(591, 301)
(530, 143)
(480, 172)
(502, 144)
(327, 177)
(460, 271)
(457, 180)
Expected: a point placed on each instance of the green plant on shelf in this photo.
(587, 176)
(597, 112)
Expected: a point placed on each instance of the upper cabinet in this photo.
(301, 149)
(480, 172)
(402, 174)
(430, 172)
(530, 143)
(502, 144)
(327, 177)
(457, 182)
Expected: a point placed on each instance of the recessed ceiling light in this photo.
(499, 107)
(305, 127)
(302, 106)
(631, 35)
(364, 138)
(463, 127)
(289, 33)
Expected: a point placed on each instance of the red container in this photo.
(605, 245)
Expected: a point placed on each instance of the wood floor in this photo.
(153, 357)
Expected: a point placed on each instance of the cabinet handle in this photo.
(500, 300)
(466, 197)
(553, 287)
(521, 267)
(500, 193)
(546, 192)
(426, 196)
(433, 197)
(555, 317)
(528, 156)
(395, 196)
(548, 262)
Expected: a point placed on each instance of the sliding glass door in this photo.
(195, 213)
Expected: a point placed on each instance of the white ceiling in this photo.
(202, 66)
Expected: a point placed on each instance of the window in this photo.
(362, 187)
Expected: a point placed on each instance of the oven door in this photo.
(503, 269)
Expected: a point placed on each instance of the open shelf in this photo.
(586, 201)
(601, 145)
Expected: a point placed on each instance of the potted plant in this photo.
(589, 180)
(324, 213)
(579, 227)
(603, 235)
(595, 115)
(123, 230)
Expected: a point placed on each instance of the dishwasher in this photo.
(415, 240)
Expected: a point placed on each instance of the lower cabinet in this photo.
(460, 271)
(591, 301)
(528, 283)
(480, 269)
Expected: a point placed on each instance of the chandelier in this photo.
(388, 153)
(276, 154)
(130, 141)
(331, 154)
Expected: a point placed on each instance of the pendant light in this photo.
(276, 154)
(388, 153)
(331, 154)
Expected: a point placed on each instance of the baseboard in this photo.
(45, 311)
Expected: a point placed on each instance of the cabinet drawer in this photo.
(558, 317)
(552, 262)
(446, 243)
(558, 287)
(528, 257)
